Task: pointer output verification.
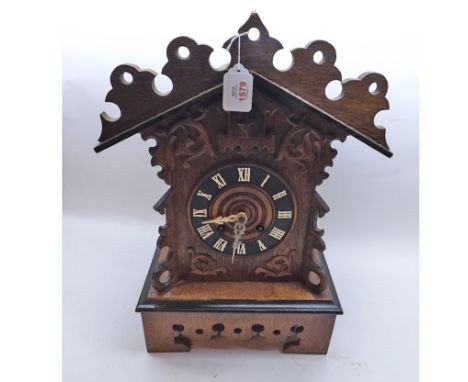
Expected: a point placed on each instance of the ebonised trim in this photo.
(238, 306)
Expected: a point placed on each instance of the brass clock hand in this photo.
(227, 219)
(221, 220)
(239, 229)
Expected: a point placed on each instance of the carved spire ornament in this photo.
(240, 257)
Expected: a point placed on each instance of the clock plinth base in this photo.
(278, 315)
(291, 333)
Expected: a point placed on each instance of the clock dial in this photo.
(251, 191)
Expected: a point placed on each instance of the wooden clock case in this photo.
(284, 297)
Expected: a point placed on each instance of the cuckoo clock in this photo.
(240, 258)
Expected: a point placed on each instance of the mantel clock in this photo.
(240, 257)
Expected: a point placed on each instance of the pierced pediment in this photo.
(193, 78)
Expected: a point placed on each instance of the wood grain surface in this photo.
(244, 290)
(292, 142)
(193, 78)
(291, 333)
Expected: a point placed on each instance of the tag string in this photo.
(238, 37)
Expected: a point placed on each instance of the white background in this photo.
(110, 228)
(30, 165)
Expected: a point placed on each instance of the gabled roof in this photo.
(193, 78)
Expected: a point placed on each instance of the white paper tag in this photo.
(237, 89)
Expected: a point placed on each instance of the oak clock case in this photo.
(288, 241)
(240, 256)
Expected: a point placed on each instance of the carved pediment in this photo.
(193, 78)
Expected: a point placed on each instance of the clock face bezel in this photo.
(274, 185)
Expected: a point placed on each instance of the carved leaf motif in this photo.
(309, 149)
(190, 141)
(203, 264)
(278, 266)
(185, 141)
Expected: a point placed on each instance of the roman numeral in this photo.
(203, 195)
(265, 180)
(284, 214)
(205, 231)
(279, 195)
(241, 249)
(218, 179)
(261, 246)
(199, 213)
(244, 174)
(220, 244)
(277, 233)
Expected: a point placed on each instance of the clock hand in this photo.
(221, 220)
(239, 229)
(227, 219)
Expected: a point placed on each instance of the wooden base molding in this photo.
(286, 316)
(291, 333)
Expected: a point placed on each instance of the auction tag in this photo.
(237, 89)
